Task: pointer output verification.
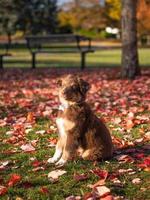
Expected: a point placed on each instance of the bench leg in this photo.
(83, 54)
(33, 61)
(1, 62)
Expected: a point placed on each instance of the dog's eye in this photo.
(59, 82)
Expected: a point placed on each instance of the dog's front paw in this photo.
(51, 160)
(60, 163)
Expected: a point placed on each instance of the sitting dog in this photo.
(80, 131)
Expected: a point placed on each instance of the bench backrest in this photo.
(57, 41)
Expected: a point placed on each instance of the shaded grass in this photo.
(107, 57)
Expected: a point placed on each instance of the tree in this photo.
(83, 14)
(36, 16)
(29, 16)
(130, 63)
(7, 18)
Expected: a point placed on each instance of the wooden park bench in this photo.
(59, 43)
(4, 51)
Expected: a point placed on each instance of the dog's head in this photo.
(72, 89)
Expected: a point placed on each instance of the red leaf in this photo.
(80, 177)
(26, 185)
(3, 190)
(36, 163)
(44, 190)
(145, 163)
(108, 197)
(88, 196)
(140, 155)
(15, 178)
(101, 173)
(53, 140)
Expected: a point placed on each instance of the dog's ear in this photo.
(84, 86)
(59, 82)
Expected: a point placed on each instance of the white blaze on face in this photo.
(65, 103)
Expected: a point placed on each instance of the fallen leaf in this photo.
(108, 197)
(30, 117)
(28, 130)
(38, 169)
(73, 198)
(122, 171)
(117, 120)
(41, 132)
(136, 181)
(88, 196)
(147, 169)
(36, 163)
(147, 135)
(101, 191)
(2, 123)
(98, 183)
(3, 190)
(54, 175)
(53, 141)
(129, 124)
(18, 198)
(15, 178)
(145, 163)
(101, 173)
(44, 190)
(27, 147)
(80, 177)
(125, 158)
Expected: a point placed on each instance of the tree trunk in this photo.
(130, 63)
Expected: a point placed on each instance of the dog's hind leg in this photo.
(92, 154)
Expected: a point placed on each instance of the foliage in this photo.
(7, 17)
(143, 16)
(37, 16)
(113, 10)
(87, 15)
(29, 16)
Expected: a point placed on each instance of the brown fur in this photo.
(85, 134)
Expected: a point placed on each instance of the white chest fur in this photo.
(61, 126)
(64, 125)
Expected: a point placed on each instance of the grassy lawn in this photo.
(112, 57)
(27, 116)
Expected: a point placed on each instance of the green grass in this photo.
(112, 57)
(21, 163)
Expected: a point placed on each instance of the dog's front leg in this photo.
(58, 152)
(69, 150)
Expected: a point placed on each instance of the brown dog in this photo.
(80, 131)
